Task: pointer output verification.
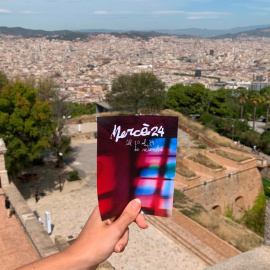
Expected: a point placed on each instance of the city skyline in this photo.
(133, 14)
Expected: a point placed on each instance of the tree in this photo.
(3, 80)
(46, 89)
(265, 92)
(60, 141)
(139, 91)
(189, 99)
(256, 100)
(243, 97)
(219, 105)
(25, 126)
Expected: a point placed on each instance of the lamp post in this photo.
(233, 130)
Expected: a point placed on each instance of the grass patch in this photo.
(205, 161)
(184, 170)
(73, 176)
(231, 156)
(254, 218)
(235, 234)
(266, 187)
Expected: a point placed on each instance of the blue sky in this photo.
(133, 14)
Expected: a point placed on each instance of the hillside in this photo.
(28, 33)
(264, 32)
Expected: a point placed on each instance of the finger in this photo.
(141, 222)
(127, 217)
(122, 243)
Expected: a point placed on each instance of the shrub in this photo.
(205, 161)
(202, 146)
(254, 218)
(266, 187)
(73, 176)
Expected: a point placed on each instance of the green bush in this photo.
(254, 218)
(202, 146)
(73, 176)
(266, 187)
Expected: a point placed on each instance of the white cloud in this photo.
(4, 11)
(168, 12)
(197, 18)
(27, 12)
(102, 12)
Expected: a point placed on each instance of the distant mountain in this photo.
(259, 30)
(28, 33)
(75, 35)
(264, 32)
(189, 31)
(143, 35)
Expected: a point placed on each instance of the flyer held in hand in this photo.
(136, 157)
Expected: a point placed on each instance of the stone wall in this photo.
(238, 190)
(3, 172)
(266, 173)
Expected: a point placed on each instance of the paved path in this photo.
(15, 248)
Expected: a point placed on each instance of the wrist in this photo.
(76, 260)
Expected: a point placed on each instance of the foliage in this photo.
(189, 99)
(139, 91)
(202, 146)
(229, 212)
(265, 142)
(205, 161)
(184, 170)
(3, 80)
(25, 125)
(219, 105)
(77, 109)
(178, 196)
(254, 218)
(266, 187)
(73, 176)
(229, 155)
(46, 89)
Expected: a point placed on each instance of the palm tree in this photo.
(266, 101)
(243, 97)
(256, 100)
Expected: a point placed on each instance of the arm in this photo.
(97, 241)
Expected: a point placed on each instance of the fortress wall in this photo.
(190, 182)
(266, 173)
(250, 163)
(238, 190)
(202, 169)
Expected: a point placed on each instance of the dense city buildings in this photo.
(86, 69)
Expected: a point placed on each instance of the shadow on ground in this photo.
(41, 183)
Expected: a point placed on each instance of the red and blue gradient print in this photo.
(140, 166)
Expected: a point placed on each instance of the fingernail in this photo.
(119, 248)
(136, 204)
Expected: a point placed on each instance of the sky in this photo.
(133, 14)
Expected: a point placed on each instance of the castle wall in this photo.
(239, 190)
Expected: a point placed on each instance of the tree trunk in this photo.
(266, 239)
(267, 116)
(242, 109)
(254, 117)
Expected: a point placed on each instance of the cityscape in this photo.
(117, 114)
(86, 70)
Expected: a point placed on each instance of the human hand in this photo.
(99, 239)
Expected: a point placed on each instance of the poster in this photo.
(136, 157)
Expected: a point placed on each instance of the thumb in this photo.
(128, 216)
